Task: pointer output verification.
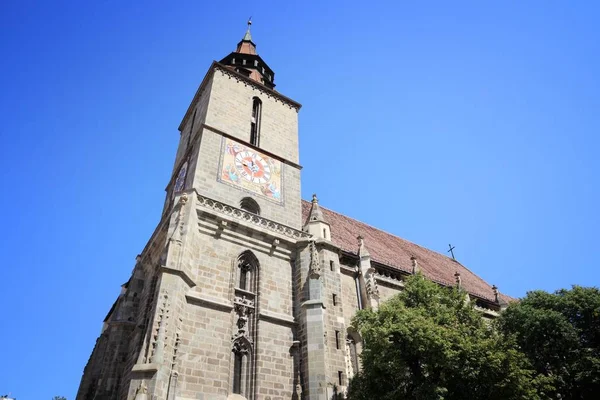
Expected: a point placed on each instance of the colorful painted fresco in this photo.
(250, 170)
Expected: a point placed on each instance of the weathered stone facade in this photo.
(230, 303)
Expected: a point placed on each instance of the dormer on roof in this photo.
(246, 61)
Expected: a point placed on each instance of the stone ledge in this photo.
(145, 368)
(308, 303)
(211, 302)
(390, 282)
(277, 318)
(487, 311)
(264, 225)
(180, 273)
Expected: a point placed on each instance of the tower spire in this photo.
(246, 61)
(246, 45)
(248, 35)
(315, 211)
(316, 224)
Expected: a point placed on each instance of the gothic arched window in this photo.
(250, 205)
(255, 124)
(247, 271)
(242, 350)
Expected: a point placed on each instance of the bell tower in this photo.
(209, 311)
(239, 139)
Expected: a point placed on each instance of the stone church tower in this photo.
(245, 291)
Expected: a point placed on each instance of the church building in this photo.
(244, 290)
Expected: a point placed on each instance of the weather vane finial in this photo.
(248, 35)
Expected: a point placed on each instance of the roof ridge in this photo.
(397, 264)
(388, 233)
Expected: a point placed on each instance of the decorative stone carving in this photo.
(315, 264)
(496, 294)
(371, 284)
(242, 345)
(159, 343)
(243, 307)
(142, 391)
(246, 216)
(274, 245)
(180, 221)
(221, 225)
(349, 364)
(458, 280)
(362, 249)
(415, 265)
(177, 342)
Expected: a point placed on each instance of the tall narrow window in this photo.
(238, 362)
(337, 340)
(244, 306)
(189, 139)
(247, 275)
(244, 272)
(255, 125)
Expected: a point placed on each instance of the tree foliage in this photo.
(428, 343)
(560, 334)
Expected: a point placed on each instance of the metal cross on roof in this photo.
(451, 251)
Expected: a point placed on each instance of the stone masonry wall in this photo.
(230, 110)
(205, 181)
(206, 366)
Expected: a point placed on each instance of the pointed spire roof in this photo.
(246, 45)
(315, 214)
(248, 35)
(247, 62)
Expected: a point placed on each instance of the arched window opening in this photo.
(244, 272)
(255, 124)
(237, 372)
(241, 366)
(247, 272)
(250, 205)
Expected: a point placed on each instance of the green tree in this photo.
(428, 343)
(560, 334)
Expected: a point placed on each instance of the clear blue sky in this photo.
(471, 123)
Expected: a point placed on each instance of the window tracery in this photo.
(244, 304)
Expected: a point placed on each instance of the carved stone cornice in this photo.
(487, 311)
(250, 218)
(243, 306)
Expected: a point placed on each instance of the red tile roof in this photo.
(395, 252)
